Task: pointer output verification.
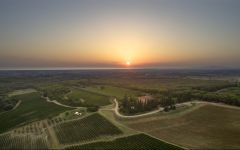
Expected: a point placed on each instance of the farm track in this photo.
(57, 103)
(16, 106)
(122, 127)
(116, 110)
(132, 131)
(100, 139)
(56, 145)
(219, 104)
(54, 140)
(165, 116)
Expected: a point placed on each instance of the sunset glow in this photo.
(128, 63)
(110, 33)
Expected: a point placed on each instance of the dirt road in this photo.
(116, 110)
(57, 103)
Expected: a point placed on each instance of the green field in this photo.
(113, 91)
(140, 141)
(38, 124)
(85, 98)
(32, 108)
(232, 90)
(20, 92)
(160, 83)
(54, 91)
(85, 129)
(207, 127)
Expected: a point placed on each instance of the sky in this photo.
(113, 33)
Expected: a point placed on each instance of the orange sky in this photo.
(110, 33)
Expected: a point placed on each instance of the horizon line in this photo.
(115, 68)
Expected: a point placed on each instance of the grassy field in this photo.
(85, 98)
(20, 92)
(85, 129)
(54, 91)
(231, 90)
(69, 115)
(160, 83)
(32, 108)
(140, 141)
(207, 127)
(113, 91)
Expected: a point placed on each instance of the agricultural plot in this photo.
(35, 128)
(54, 121)
(85, 129)
(71, 114)
(161, 83)
(55, 91)
(20, 92)
(207, 127)
(32, 108)
(85, 98)
(140, 141)
(113, 91)
(24, 142)
(235, 91)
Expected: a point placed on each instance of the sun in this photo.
(128, 63)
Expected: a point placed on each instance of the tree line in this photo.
(189, 95)
(169, 98)
(130, 105)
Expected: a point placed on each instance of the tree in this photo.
(45, 94)
(125, 101)
(166, 109)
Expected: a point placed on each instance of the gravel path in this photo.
(116, 110)
(57, 103)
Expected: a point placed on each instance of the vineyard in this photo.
(140, 141)
(32, 108)
(23, 142)
(85, 129)
(36, 128)
(219, 130)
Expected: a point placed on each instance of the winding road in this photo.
(116, 110)
(57, 103)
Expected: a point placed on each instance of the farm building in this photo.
(77, 113)
(145, 99)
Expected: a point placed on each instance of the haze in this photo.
(107, 34)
